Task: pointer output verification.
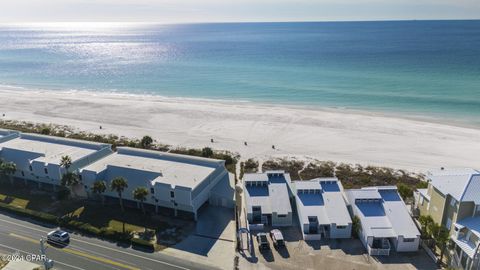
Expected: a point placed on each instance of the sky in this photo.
(180, 11)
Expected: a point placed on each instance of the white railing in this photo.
(378, 251)
(383, 251)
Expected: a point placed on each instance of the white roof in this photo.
(50, 149)
(387, 217)
(322, 197)
(272, 197)
(157, 167)
(461, 184)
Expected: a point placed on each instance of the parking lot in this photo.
(327, 254)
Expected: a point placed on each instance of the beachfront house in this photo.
(322, 211)
(178, 184)
(384, 220)
(37, 157)
(267, 198)
(452, 199)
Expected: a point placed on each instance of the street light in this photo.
(46, 261)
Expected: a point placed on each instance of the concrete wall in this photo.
(281, 221)
(402, 246)
(201, 194)
(336, 232)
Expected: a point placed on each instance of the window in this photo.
(453, 202)
(172, 194)
(80, 177)
(449, 223)
(409, 240)
(45, 170)
(23, 174)
(152, 190)
(282, 216)
(30, 167)
(477, 211)
(341, 227)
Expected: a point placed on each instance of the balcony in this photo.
(380, 247)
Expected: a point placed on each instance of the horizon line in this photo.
(227, 22)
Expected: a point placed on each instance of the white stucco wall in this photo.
(339, 232)
(402, 246)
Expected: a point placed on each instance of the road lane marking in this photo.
(55, 261)
(80, 253)
(105, 247)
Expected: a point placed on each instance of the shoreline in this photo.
(212, 101)
(300, 132)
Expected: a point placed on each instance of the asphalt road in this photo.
(22, 235)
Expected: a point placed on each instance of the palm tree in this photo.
(7, 169)
(99, 187)
(442, 238)
(426, 222)
(70, 180)
(66, 162)
(140, 194)
(119, 184)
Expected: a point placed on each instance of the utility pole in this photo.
(47, 263)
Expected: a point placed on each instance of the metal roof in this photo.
(472, 223)
(461, 184)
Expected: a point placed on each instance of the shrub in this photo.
(318, 169)
(251, 166)
(146, 142)
(112, 234)
(404, 191)
(290, 166)
(39, 216)
(138, 242)
(356, 226)
(207, 152)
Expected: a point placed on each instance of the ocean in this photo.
(410, 68)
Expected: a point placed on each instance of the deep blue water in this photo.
(426, 68)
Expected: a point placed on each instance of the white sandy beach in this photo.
(340, 136)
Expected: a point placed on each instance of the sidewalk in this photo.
(20, 265)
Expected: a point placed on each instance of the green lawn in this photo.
(22, 197)
(109, 216)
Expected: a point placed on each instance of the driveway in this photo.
(213, 240)
(333, 254)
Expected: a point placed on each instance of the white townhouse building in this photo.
(267, 198)
(37, 157)
(385, 221)
(178, 184)
(322, 211)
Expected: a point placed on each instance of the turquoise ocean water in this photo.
(414, 68)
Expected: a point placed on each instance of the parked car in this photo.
(277, 238)
(263, 241)
(58, 237)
